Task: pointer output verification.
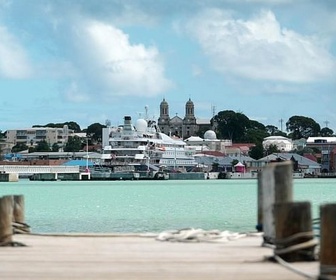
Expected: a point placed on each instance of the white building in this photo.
(283, 144)
(208, 143)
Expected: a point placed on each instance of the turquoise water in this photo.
(151, 206)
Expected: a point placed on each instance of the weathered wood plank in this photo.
(141, 258)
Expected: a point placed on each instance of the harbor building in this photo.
(182, 127)
(31, 136)
(327, 147)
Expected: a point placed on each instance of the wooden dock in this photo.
(133, 257)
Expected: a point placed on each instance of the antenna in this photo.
(326, 123)
(146, 110)
(281, 122)
(213, 108)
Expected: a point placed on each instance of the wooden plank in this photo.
(141, 258)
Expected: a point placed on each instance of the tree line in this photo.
(240, 129)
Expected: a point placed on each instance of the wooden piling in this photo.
(6, 217)
(259, 226)
(283, 179)
(294, 237)
(18, 209)
(277, 187)
(327, 241)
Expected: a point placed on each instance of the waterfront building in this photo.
(31, 136)
(327, 147)
(300, 163)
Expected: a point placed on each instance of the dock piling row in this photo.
(287, 224)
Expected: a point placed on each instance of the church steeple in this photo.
(164, 109)
(189, 110)
(164, 119)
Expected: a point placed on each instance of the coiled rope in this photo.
(20, 228)
(281, 247)
(17, 228)
(199, 235)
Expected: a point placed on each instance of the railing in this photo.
(28, 169)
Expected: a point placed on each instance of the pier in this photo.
(135, 257)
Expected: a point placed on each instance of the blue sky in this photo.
(88, 61)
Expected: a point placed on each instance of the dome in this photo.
(164, 102)
(189, 102)
(210, 134)
(283, 144)
(141, 125)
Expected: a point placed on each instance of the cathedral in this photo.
(186, 127)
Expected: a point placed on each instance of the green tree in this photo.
(302, 127)
(42, 146)
(255, 132)
(19, 147)
(55, 147)
(274, 131)
(71, 125)
(326, 132)
(271, 149)
(95, 131)
(231, 125)
(74, 144)
(257, 151)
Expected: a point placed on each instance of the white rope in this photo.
(296, 247)
(199, 235)
(292, 268)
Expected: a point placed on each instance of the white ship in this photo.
(144, 145)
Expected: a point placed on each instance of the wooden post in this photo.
(283, 179)
(18, 209)
(259, 226)
(277, 186)
(294, 237)
(327, 241)
(6, 217)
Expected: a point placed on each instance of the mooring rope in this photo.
(292, 268)
(20, 227)
(198, 235)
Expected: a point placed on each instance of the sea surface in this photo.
(152, 206)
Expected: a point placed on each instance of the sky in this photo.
(91, 61)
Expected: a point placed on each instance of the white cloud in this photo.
(110, 63)
(260, 49)
(14, 63)
(74, 94)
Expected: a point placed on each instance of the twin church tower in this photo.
(186, 127)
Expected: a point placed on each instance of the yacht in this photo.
(144, 145)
